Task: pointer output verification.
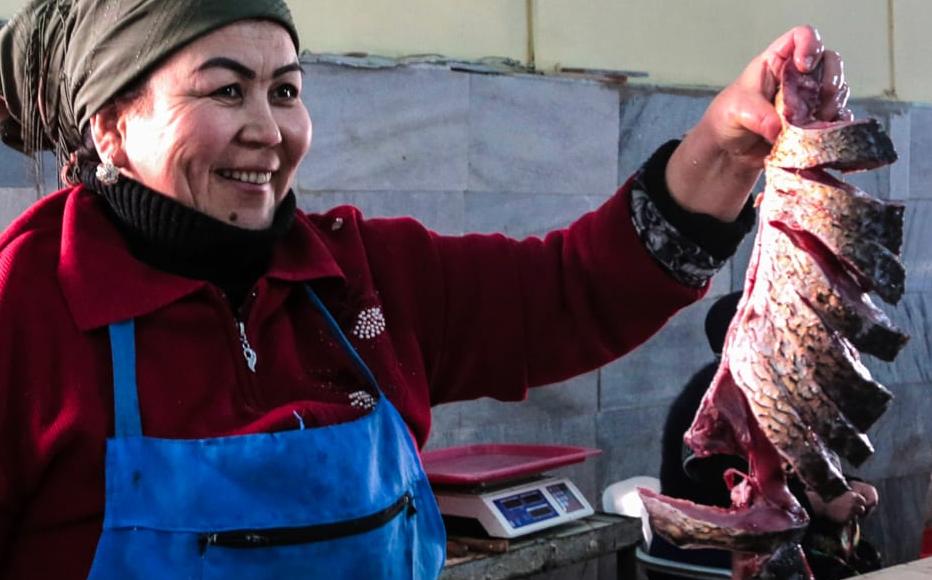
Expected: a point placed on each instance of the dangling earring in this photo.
(107, 173)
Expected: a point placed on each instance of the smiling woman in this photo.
(199, 381)
(222, 129)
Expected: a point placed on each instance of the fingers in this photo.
(868, 492)
(802, 45)
(834, 91)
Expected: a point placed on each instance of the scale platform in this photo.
(502, 487)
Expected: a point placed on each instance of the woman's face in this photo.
(221, 126)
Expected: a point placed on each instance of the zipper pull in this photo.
(248, 353)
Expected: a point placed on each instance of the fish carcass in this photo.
(791, 394)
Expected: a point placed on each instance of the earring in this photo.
(107, 173)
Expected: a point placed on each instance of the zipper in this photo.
(248, 353)
(246, 539)
(245, 373)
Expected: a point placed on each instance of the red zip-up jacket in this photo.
(466, 317)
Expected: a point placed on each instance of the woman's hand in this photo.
(854, 504)
(718, 162)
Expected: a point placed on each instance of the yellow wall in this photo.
(886, 43)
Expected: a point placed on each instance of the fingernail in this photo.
(809, 62)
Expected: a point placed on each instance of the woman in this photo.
(259, 379)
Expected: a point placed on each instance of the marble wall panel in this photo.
(902, 436)
(896, 525)
(650, 118)
(912, 315)
(16, 169)
(656, 371)
(13, 202)
(573, 398)
(928, 510)
(630, 440)
(917, 246)
(901, 134)
(920, 158)
(553, 430)
(520, 215)
(542, 135)
(440, 211)
(392, 129)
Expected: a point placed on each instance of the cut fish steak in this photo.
(791, 394)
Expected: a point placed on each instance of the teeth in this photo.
(256, 177)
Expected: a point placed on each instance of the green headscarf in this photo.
(61, 61)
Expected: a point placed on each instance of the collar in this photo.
(103, 283)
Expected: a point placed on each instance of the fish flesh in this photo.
(791, 394)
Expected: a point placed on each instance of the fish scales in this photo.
(791, 392)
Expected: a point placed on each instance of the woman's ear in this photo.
(108, 131)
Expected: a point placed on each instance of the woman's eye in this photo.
(286, 92)
(228, 92)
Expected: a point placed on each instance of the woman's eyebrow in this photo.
(293, 67)
(243, 70)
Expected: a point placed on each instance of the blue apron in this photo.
(343, 501)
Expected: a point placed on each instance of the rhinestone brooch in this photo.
(370, 323)
(361, 400)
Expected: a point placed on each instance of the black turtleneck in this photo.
(180, 240)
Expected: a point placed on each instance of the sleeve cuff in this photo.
(718, 238)
(692, 247)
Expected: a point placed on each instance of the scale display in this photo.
(520, 509)
(525, 508)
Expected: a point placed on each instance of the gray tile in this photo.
(398, 129)
(13, 202)
(522, 214)
(630, 440)
(442, 212)
(928, 510)
(914, 316)
(552, 430)
(877, 181)
(902, 436)
(917, 246)
(577, 397)
(895, 527)
(721, 283)
(739, 262)
(657, 370)
(920, 153)
(650, 118)
(16, 169)
(536, 135)
(901, 134)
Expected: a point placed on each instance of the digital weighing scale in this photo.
(502, 487)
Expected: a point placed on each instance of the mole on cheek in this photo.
(233, 216)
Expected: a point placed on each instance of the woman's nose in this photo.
(260, 127)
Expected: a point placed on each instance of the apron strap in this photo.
(341, 337)
(125, 397)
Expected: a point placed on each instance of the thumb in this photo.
(757, 115)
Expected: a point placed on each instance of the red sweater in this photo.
(472, 316)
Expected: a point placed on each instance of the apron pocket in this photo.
(378, 546)
(272, 537)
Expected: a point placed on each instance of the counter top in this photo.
(584, 539)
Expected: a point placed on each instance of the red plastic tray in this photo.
(475, 464)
